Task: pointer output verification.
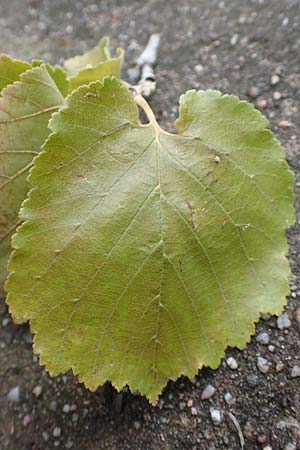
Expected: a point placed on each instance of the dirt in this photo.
(229, 45)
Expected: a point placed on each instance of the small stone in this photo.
(53, 405)
(57, 432)
(199, 68)
(234, 39)
(14, 394)
(297, 314)
(263, 338)
(66, 408)
(252, 379)
(253, 91)
(271, 348)
(189, 403)
(285, 124)
(261, 103)
(217, 159)
(295, 372)
(281, 425)
(262, 365)
(277, 95)
(194, 411)
(26, 420)
(283, 321)
(275, 79)
(182, 405)
(37, 391)
(208, 392)
(216, 415)
(262, 439)
(69, 445)
(232, 363)
(228, 398)
(268, 447)
(290, 446)
(5, 321)
(136, 425)
(45, 436)
(279, 366)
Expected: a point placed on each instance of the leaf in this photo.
(10, 70)
(25, 109)
(94, 65)
(98, 54)
(145, 254)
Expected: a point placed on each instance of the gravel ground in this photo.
(249, 48)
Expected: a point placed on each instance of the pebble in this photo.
(53, 405)
(136, 425)
(189, 403)
(182, 405)
(5, 321)
(199, 68)
(57, 432)
(263, 338)
(290, 446)
(267, 448)
(26, 420)
(253, 91)
(216, 415)
(232, 363)
(277, 95)
(295, 372)
(208, 392)
(297, 314)
(283, 321)
(262, 365)
(234, 39)
(252, 380)
(261, 103)
(285, 124)
(275, 79)
(228, 398)
(69, 445)
(271, 348)
(14, 394)
(45, 436)
(279, 366)
(66, 408)
(37, 391)
(194, 411)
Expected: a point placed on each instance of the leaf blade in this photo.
(158, 226)
(26, 107)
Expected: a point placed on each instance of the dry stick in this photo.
(146, 62)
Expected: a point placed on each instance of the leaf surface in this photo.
(93, 65)
(145, 254)
(25, 109)
(10, 70)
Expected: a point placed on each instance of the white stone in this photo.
(14, 394)
(295, 372)
(283, 321)
(208, 392)
(263, 338)
(262, 365)
(232, 363)
(216, 415)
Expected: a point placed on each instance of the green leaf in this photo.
(98, 54)
(94, 65)
(145, 254)
(10, 70)
(25, 109)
